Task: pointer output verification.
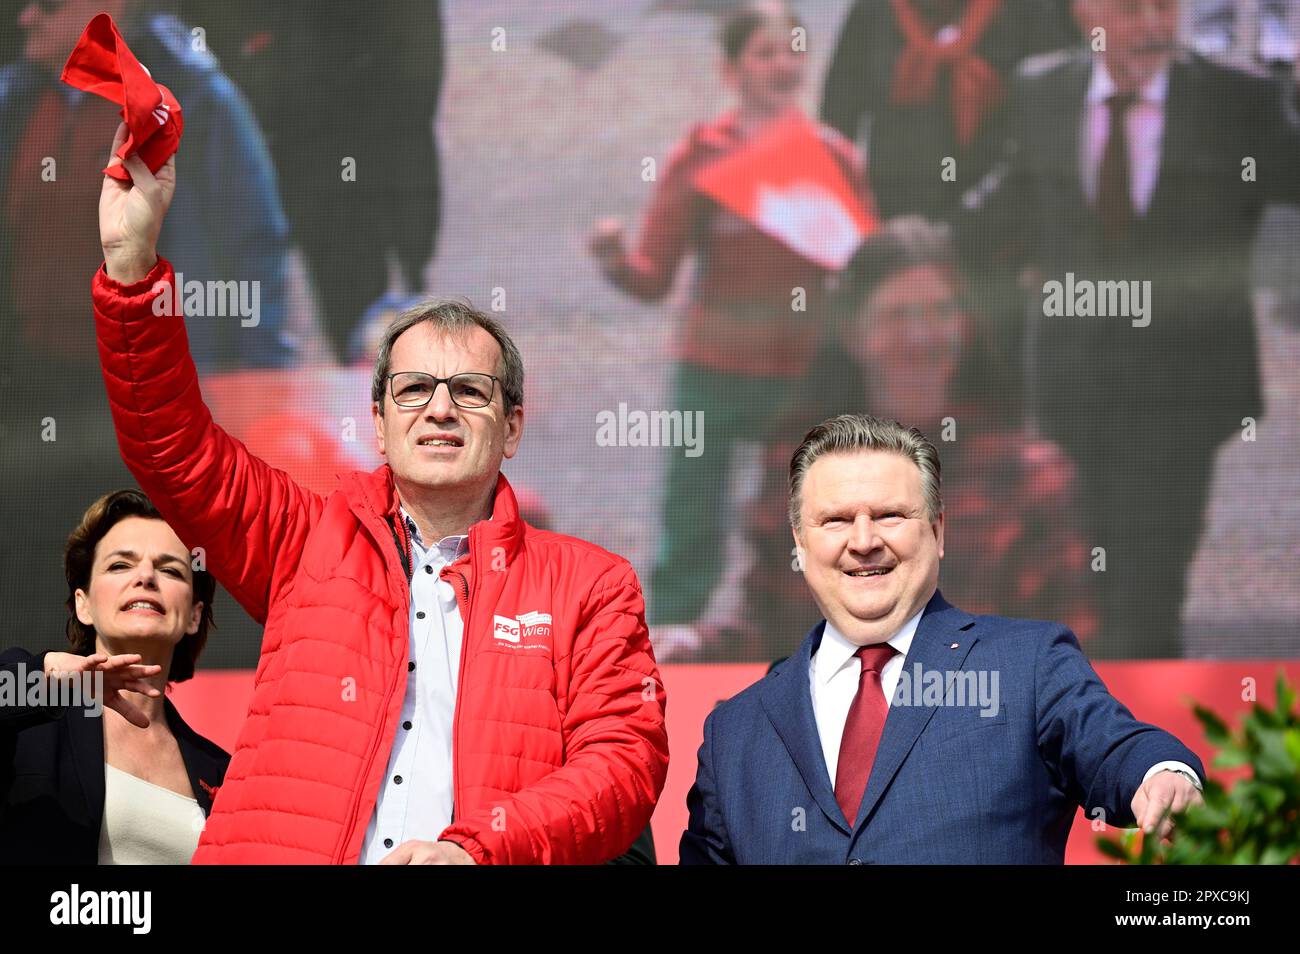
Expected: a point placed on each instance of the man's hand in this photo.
(1161, 795)
(120, 672)
(428, 853)
(131, 214)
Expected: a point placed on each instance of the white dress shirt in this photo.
(834, 675)
(1145, 126)
(833, 680)
(419, 806)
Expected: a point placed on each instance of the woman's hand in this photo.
(122, 672)
(131, 214)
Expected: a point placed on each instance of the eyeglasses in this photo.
(469, 389)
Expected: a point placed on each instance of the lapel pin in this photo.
(953, 646)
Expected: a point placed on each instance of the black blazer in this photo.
(1196, 364)
(907, 144)
(52, 775)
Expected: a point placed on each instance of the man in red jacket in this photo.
(410, 611)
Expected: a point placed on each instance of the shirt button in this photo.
(420, 615)
(406, 725)
(388, 842)
(428, 568)
(397, 780)
(410, 667)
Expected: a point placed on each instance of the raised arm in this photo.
(249, 518)
(119, 672)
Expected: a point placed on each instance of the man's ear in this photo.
(376, 414)
(798, 548)
(514, 430)
(938, 533)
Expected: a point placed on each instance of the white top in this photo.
(1145, 125)
(146, 824)
(419, 806)
(834, 676)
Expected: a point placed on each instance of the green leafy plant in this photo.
(1257, 820)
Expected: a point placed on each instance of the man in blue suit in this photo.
(905, 730)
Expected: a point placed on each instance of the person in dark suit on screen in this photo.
(1136, 175)
(905, 730)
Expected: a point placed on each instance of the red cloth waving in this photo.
(101, 64)
(787, 183)
(976, 86)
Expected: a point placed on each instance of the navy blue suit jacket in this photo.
(949, 785)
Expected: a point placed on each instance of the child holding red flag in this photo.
(768, 204)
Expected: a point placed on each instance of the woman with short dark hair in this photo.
(912, 348)
(96, 764)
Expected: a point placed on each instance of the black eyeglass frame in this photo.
(450, 391)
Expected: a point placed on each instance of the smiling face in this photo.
(141, 587)
(870, 553)
(768, 74)
(443, 445)
(910, 333)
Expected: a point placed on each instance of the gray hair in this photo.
(859, 432)
(451, 317)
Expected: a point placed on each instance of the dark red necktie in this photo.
(1114, 198)
(862, 729)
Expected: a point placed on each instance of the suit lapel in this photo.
(787, 701)
(1062, 128)
(1176, 142)
(86, 738)
(205, 772)
(941, 626)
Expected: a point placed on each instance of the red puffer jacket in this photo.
(559, 743)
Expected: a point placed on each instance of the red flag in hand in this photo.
(788, 185)
(101, 64)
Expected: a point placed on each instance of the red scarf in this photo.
(976, 86)
(101, 64)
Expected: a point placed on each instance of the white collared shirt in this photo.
(833, 680)
(419, 806)
(1145, 126)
